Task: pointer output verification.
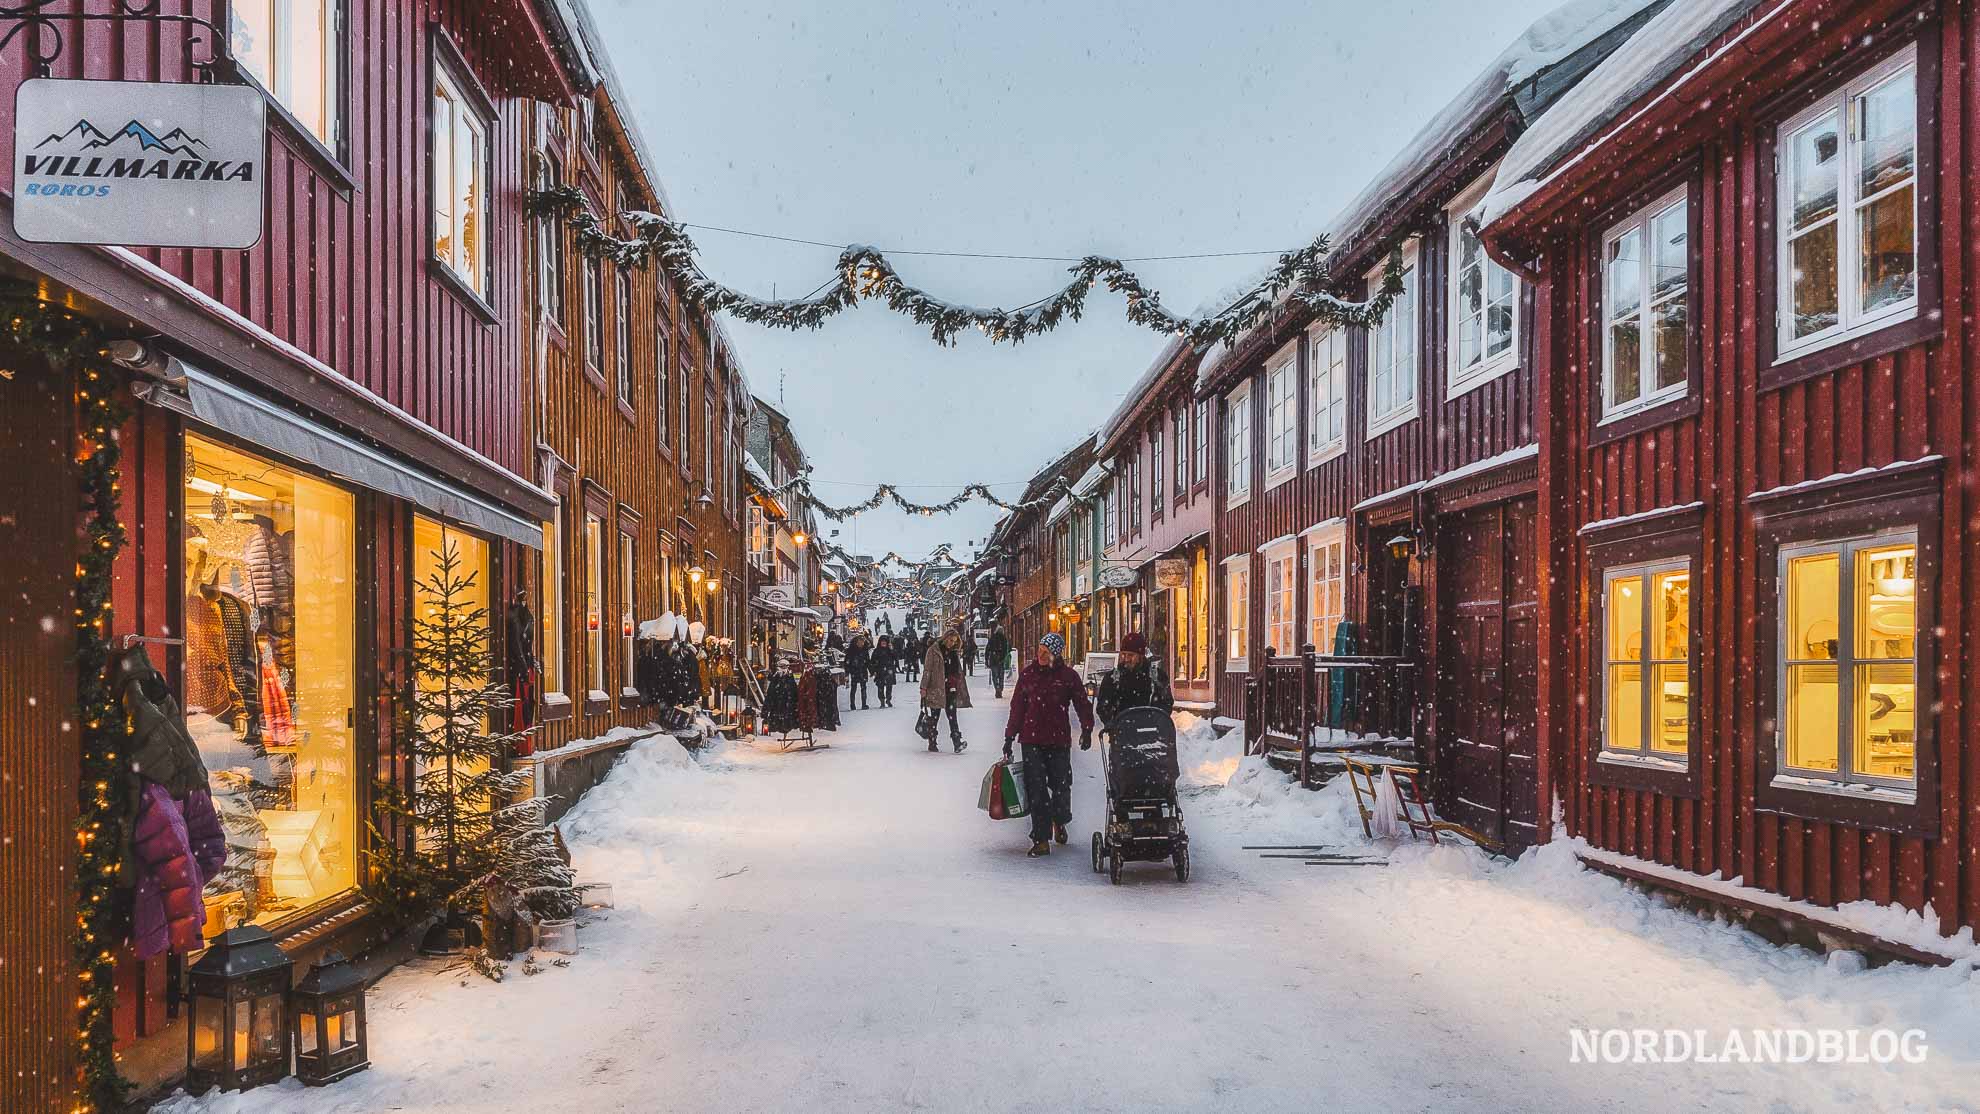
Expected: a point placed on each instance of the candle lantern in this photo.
(329, 1026)
(238, 1035)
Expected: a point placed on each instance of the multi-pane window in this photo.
(1392, 353)
(661, 400)
(707, 434)
(1199, 590)
(1134, 494)
(1181, 422)
(460, 183)
(1646, 660)
(1326, 586)
(1326, 392)
(550, 249)
(594, 601)
(760, 548)
(1848, 660)
(552, 627)
(687, 409)
(622, 332)
(1180, 623)
(1646, 272)
(1237, 446)
(1155, 472)
(290, 46)
(1200, 445)
(1847, 228)
(627, 622)
(1484, 300)
(1237, 613)
(1282, 416)
(1281, 599)
(594, 314)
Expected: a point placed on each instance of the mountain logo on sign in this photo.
(174, 142)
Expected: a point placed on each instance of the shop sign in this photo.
(780, 594)
(139, 163)
(1120, 576)
(1171, 572)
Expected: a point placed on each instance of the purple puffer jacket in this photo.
(178, 846)
(1040, 702)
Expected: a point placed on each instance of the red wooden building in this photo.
(1386, 476)
(1758, 436)
(321, 414)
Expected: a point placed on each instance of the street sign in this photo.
(1119, 576)
(139, 163)
(1171, 572)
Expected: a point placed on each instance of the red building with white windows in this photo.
(1758, 432)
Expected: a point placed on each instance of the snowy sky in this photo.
(1017, 126)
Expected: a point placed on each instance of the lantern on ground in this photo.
(238, 1035)
(329, 1023)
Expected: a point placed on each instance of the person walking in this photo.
(859, 663)
(1046, 690)
(998, 650)
(885, 662)
(969, 653)
(1138, 681)
(910, 656)
(944, 688)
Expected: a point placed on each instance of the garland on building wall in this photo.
(68, 340)
(864, 274)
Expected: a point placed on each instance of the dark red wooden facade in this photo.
(1750, 426)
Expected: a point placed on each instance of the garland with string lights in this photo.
(863, 273)
(886, 493)
(937, 557)
(68, 340)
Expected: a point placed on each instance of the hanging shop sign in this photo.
(1119, 576)
(1171, 572)
(781, 594)
(139, 163)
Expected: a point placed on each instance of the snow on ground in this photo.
(842, 930)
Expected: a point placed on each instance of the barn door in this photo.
(1487, 666)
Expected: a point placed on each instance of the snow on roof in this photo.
(755, 471)
(1059, 509)
(1133, 396)
(1089, 480)
(1206, 369)
(1552, 38)
(1568, 130)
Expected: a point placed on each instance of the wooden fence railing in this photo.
(1317, 701)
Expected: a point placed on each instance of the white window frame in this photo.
(1237, 446)
(1282, 416)
(1199, 451)
(555, 655)
(1648, 697)
(280, 84)
(447, 121)
(1179, 419)
(1845, 777)
(661, 386)
(628, 621)
(1469, 207)
(1158, 492)
(594, 604)
(1321, 618)
(1641, 223)
(1237, 612)
(1402, 317)
(1282, 597)
(1326, 393)
(1851, 320)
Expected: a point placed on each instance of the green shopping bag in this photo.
(1010, 790)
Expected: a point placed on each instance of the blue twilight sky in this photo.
(1014, 126)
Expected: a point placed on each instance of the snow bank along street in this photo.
(843, 930)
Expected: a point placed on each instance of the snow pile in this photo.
(1206, 760)
(1567, 130)
(656, 769)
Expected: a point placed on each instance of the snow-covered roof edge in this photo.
(1569, 128)
(1132, 399)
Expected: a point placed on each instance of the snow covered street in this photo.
(842, 930)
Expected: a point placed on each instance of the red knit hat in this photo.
(1134, 643)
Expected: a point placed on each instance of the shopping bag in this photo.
(1011, 789)
(997, 811)
(989, 788)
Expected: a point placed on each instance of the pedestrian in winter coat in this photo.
(859, 663)
(1139, 681)
(944, 688)
(1046, 691)
(885, 662)
(969, 654)
(998, 650)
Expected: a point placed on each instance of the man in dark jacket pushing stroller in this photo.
(1139, 681)
(1046, 689)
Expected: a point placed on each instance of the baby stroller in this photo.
(1144, 820)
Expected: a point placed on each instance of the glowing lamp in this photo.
(1401, 546)
(329, 1023)
(237, 1035)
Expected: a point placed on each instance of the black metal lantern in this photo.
(327, 1011)
(238, 1036)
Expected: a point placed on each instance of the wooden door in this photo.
(1488, 756)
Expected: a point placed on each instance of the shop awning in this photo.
(261, 424)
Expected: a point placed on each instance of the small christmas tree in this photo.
(471, 825)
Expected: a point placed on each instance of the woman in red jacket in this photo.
(1045, 691)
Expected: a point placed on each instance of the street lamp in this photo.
(798, 539)
(695, 575)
